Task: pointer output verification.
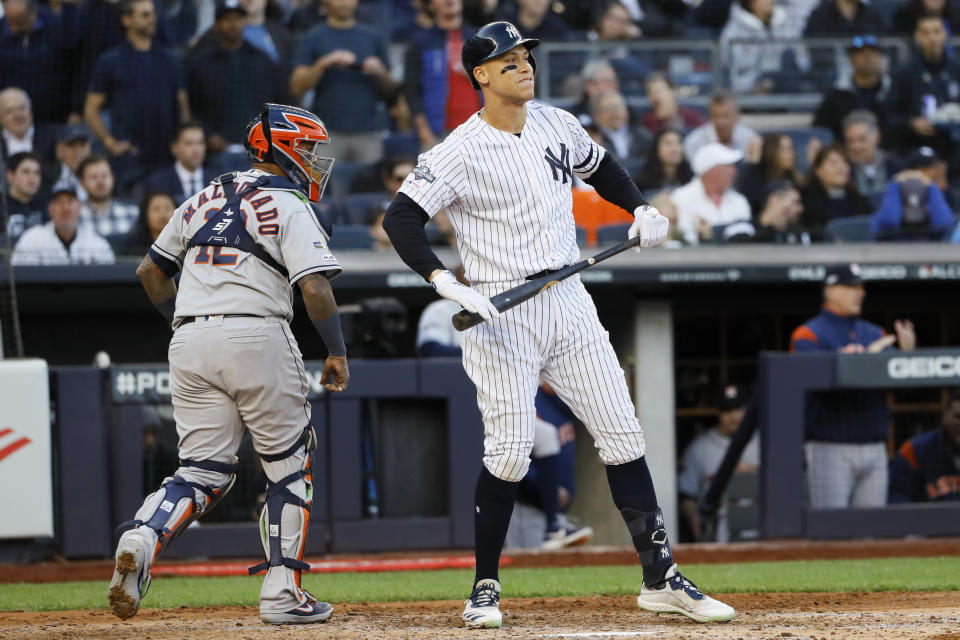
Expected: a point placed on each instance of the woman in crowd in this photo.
(666, 166)
(156, 209)
(831, 193)
(777, 161)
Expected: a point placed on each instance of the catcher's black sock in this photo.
(493, 506)
(635, 497)
(547, 469)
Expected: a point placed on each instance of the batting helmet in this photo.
(290, 137)
(493, 40)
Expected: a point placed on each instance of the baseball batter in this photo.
(241, 243)
(504, 179)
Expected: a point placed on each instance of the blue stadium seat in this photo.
(401, 144)
(343, 173)
(849, 229)
(612, 233)
(357, 206)
(351, 236)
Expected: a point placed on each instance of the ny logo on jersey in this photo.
(561, 164)
(223, 224)
(512, 32)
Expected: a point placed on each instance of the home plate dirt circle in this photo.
(820, 616)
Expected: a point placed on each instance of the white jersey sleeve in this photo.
(586, 154)
(438, 179)
(304, 247)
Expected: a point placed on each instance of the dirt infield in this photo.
(823, 616)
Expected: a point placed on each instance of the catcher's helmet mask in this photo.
(291, 138)
(491, 41)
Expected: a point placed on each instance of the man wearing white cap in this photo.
(709, 200)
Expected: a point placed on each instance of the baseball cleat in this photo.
(131, 576)
(566, 536)
(482, 610)
(312, 610)
(679, 595)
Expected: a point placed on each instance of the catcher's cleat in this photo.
(568, 535)
(131, 575)
(679, 595)
(482, 610)
(311, 610)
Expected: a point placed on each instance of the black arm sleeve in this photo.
(614, 185)
(404, 225)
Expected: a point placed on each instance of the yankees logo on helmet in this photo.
(494, 39)
(290, 137)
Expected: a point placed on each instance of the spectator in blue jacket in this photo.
(913, 208)
(927, 467)
(846, 431)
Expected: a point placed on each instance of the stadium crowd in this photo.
(130, 106)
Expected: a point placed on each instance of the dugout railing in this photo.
(98, 452)
(784, 383)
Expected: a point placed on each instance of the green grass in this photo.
(888, 574)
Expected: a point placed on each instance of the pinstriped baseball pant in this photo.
(556, 335)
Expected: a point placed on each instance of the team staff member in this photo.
(241, 243)
(846, 431)
(504, 177)
(927, 466)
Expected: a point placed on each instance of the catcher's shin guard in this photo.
(286, 514)
(179, 501)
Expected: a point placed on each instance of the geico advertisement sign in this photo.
(911, 367)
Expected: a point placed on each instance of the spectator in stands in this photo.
(384, 176)
(186, 176)
(776, 161)
(913, 208)
(753, 66)
(381, 241)
(935, 168)
(598, 77)
(63, 240)
(438, 91)
(843, 18)
(25, 207)
(608, 111)
(156, 209)
(139, 83)
(440, 230)
(780, 221)
(846, 431)
(927, 466)
(831, 193)
(345, 63)
(925, 92)
(615, 24)
(709, 201)
(866, 88)
(666, 167)
(664, 110)
(228, 79)
(907, 14)
(872, 166)
(34, 43)
(724, 127)
(703, 456)
(265, 30)
(17, 129)
(73, 147)
(535, 20)
(107, 216)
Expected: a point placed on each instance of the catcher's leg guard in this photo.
(196, 487)
(284, 522)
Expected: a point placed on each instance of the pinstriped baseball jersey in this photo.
(222, 281)
(508, 196)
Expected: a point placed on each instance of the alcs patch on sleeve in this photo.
(422, 172)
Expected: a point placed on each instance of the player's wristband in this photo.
(166, 309)
(330, 332)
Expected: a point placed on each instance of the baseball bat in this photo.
(512, 297)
